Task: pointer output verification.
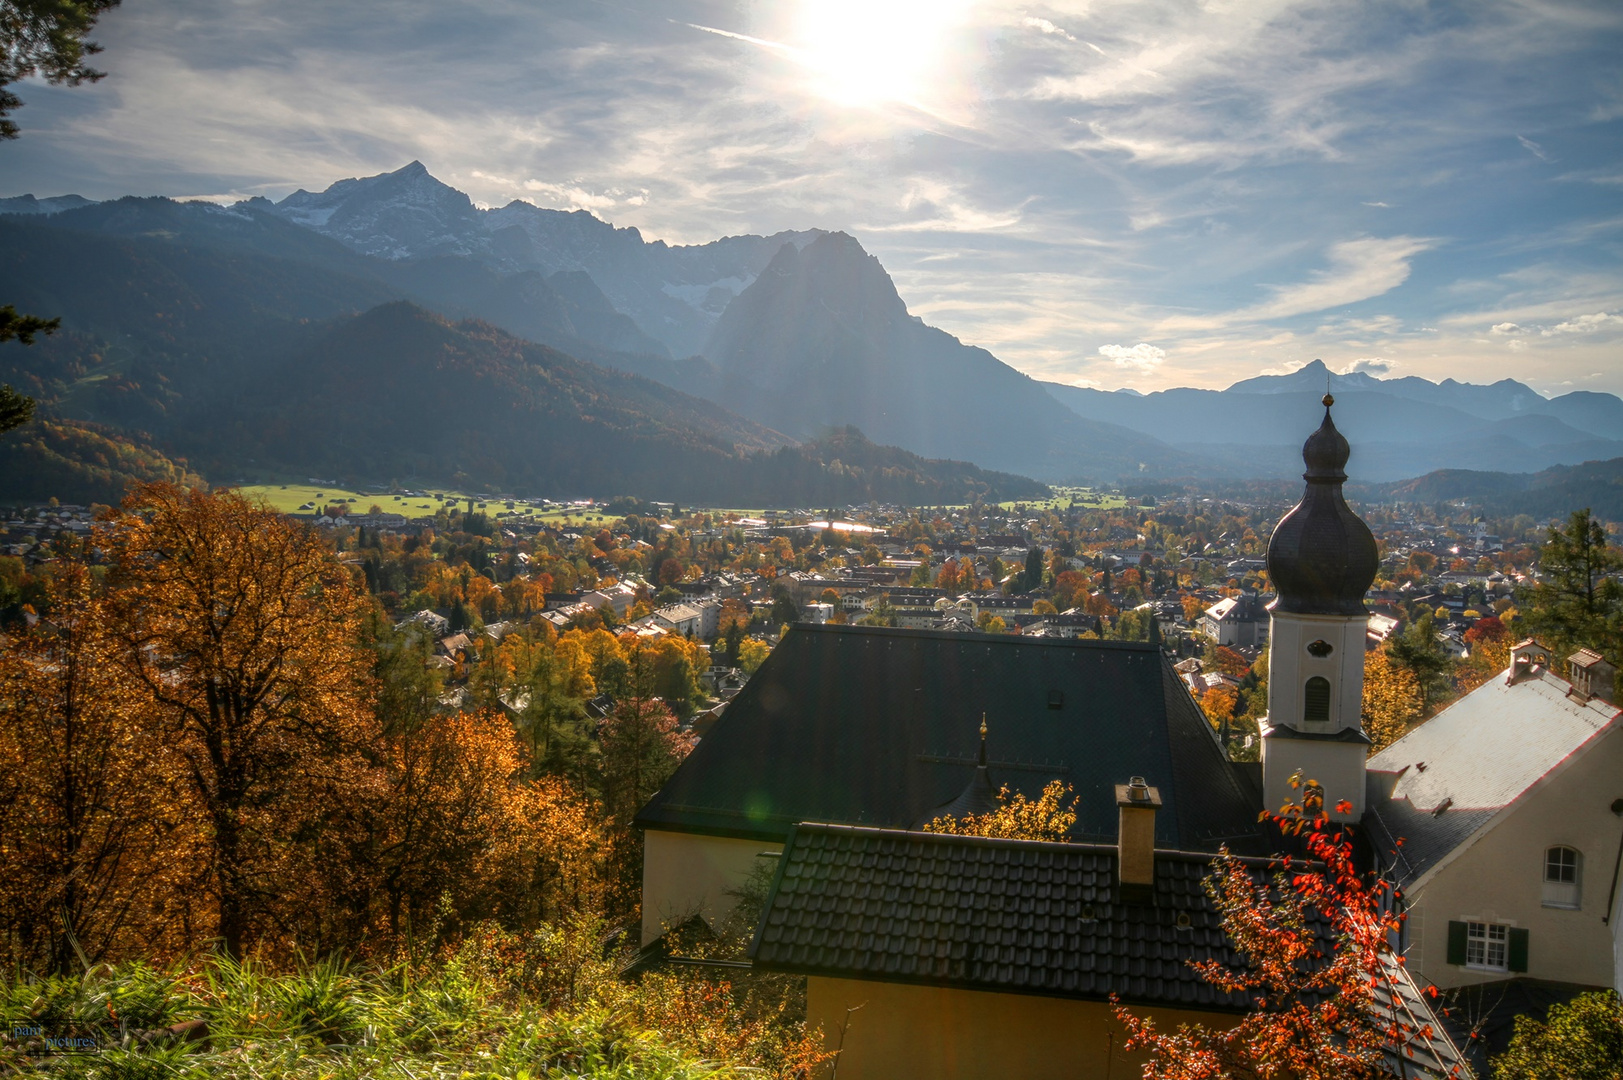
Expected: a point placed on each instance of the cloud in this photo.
(1533, 148)
(1359, 269)
(1584, 324)
(1047, 27)
(1373, 365)
(1379, 205)
(1142, 356)
(1506, 328)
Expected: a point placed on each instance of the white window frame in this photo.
(1487, 946)
(1560, 894)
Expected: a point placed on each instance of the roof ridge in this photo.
(975, 635)
(830, 827)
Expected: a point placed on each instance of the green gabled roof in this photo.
(880, 727)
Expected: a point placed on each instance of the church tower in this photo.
(1322, 559)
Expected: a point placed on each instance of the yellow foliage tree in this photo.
(1050, 817)
(1392, 700)
(752, 653)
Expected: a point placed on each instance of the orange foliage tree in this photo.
(241, 629)
(458, 829)
(82, 822)
(1318, 968)
(1218, 704)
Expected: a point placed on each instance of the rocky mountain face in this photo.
(821, 339)
(1398, 427)
(673, 294)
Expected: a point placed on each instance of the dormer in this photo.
(1526, 657)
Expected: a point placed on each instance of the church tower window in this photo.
(1316, 700)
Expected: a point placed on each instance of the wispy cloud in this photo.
(1533, 148)
(1359, 269)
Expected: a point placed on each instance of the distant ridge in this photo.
(1399, 428)
(1553, 492)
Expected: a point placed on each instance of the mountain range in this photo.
(173, 308)
(1398, 427)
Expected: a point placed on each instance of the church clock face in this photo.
(1320, 648)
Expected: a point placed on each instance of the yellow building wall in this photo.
(1501, 878)
(895, 1031)
(685, 874)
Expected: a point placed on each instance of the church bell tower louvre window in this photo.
(1316, 700)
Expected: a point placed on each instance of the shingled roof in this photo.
(1005, 915)
(1016, 916)
(879, 726)
(1449, 778)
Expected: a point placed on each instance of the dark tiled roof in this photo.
(1015, 916)
(877, 726)
(1005, 915)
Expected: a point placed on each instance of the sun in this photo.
(873, 52)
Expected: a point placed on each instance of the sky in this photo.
(1139, 194)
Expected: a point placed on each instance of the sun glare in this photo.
(870, 52)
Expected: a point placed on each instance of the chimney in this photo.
(1135, 839)
(1592, 676)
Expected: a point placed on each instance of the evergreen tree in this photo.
(15, 409)
(1032, 576)
(1578, 602)
(1418, 651)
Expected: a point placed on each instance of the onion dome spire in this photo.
(1322, 558)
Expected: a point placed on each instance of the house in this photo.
(453, 644)
(621, 597)
(1066, 624)
(1508, 805)
(684, 619)
(1236, 620)
(894, 714)
(959, 956)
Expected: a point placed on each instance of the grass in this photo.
(324, 1020)
(291, 499)
(1062, 497)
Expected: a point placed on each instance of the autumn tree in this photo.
(242, 632)
(81, 818)
(1578, 601)
(463, 837)
(1048, 817)
(1315, 962)
(1218, 703)
(1393, 701)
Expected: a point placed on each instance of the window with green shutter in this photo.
(1517, 960)
(1456, 943)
